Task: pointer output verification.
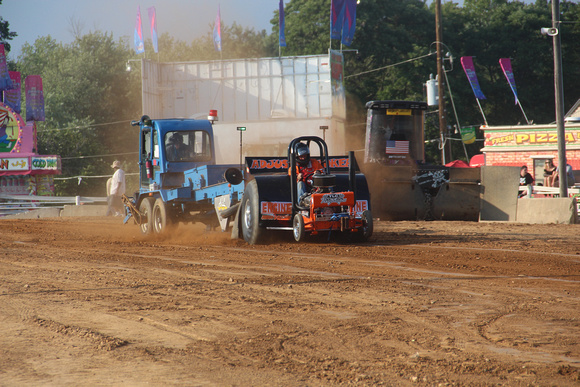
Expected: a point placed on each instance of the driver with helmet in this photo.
(175, 148)
(305, 168)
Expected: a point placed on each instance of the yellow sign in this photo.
(398, 112)
(530, 138)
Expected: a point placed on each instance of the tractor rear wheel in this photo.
(161, 217)
(146, 210)
(250, 214)
(298, 228)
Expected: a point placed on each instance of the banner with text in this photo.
(506, 66)
(469, 68)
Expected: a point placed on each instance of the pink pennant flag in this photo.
(217, 32)
(153, 22)
(138, 36)
(506, 66)
(469, 68)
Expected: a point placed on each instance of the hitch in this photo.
(131, 209)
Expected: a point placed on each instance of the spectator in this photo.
(117, 189)
(549, 170)
(109, 198)
(525, 179)
(569, 176)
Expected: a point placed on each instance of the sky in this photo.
(183, 19)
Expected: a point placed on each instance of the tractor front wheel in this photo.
(298, 228)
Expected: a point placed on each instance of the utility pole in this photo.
(559, 98)
(445, 144)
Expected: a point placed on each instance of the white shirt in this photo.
(118, 183)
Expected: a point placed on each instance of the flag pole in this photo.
(330, 34)
(281, 27)
(523, 112)
(455, 112)
(481, 110)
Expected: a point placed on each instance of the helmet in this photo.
(302, 153)
(176, 138)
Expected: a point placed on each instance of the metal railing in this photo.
(553, 191)
(535, 191)
(14, 204)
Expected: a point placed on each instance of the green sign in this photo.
(468, 134)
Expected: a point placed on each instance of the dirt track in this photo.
(92, 302)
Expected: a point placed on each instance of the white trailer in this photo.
(275, 99)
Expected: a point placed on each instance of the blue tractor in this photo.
(179, 180)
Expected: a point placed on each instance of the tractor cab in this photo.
(394, 132)
(169, 147)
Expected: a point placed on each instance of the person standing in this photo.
(117, 189)
(109, 198)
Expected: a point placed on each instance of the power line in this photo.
(392, 65)
(92, 177)
(95, 156)
(83, 127)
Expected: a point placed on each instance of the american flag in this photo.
(397, 147)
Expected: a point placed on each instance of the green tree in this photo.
(307, 28)
(490, 30)
(237, 42)
(388, 33)
(391, 34)
(5, 33)
(87, 107)
(90, 98)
